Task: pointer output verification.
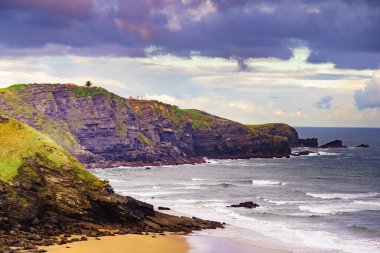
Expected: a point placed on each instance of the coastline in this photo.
(158, 243)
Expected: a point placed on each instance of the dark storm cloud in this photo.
(345, 32)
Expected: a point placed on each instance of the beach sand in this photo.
(125, 243)
(171, 243)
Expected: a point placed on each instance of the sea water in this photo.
(325, 202)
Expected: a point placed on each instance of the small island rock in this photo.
(248, 204)
(163, 208)
(363, 146)
(334, 144)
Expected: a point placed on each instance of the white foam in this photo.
(193, 187)
(267, 182)
(327, 153)
(332, 208)
(369, 203)
(198, 179)
(278, 202)
(343, 195)
(149, 194)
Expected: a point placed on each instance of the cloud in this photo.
(369, 96)
(324, 102)
(342, 32)
(165, 98)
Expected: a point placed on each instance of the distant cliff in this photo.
(103, 129)
(284, 130)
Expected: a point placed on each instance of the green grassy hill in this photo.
(21, 145)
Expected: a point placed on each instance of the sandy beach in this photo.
(172, 243)
(125, 243)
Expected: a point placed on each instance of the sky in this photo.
(301, 62)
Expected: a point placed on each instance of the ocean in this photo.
(317, 203)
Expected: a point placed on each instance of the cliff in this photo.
(103, 129)
(284, 130)
(46, 192)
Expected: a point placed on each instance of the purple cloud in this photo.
(345, 32)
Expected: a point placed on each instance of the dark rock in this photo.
(163, 208)
(148, 168)
(248, 204)
(333, 144)
(3, 118)
(309, 143)
(363, 146)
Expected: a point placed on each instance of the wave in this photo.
(282, 202)
(371, 203)
(366, 230)
(327, 153)
(267, 182)
(149, 194)
(343, 195)
(336, 208)
(197, 179)
(278, 202)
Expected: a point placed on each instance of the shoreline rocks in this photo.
(163, 208)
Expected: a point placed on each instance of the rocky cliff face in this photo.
(45, 192)
(284, 130)
(101, 128)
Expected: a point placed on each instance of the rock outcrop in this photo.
(334, 144)
(46, 192)
(102, 129)
(363, 146)
(284, 130)
(248, 205)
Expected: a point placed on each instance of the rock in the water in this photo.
(334, 144)
(363, 146)
(162, 208)
(248, 204)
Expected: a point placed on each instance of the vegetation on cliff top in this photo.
(280, 129)
(13, 87)
(19, 142)
(89, 91)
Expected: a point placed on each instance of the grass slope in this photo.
(55, 130)
(19, 142)
(13, 87)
